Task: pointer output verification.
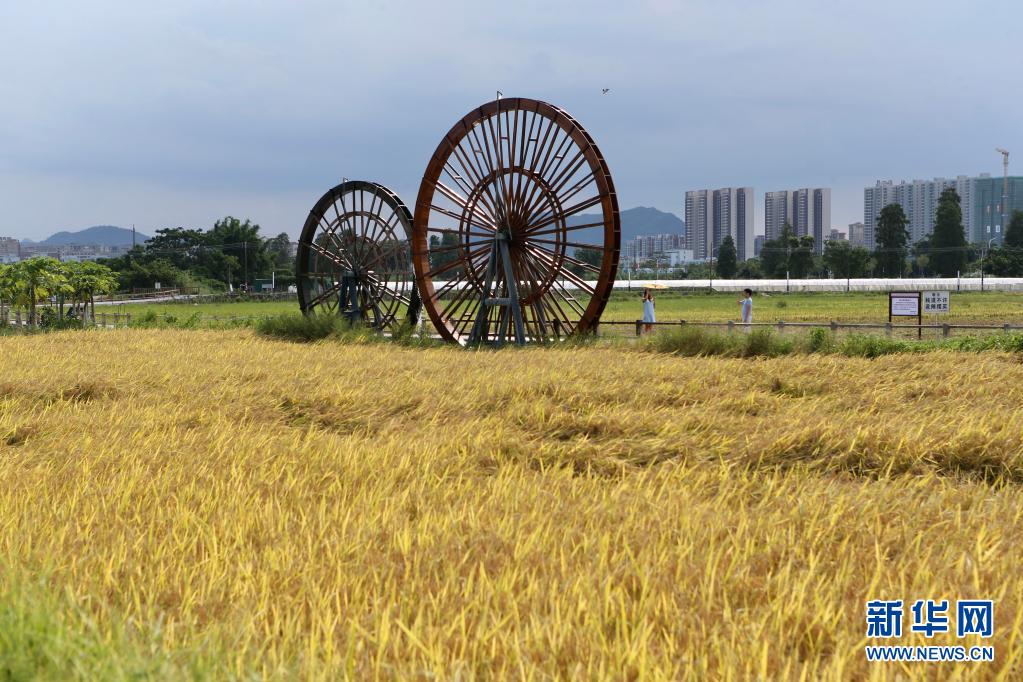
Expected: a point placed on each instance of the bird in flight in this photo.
(605, 91)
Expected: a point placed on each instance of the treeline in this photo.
(231, 254)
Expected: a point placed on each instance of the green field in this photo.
(974, 307)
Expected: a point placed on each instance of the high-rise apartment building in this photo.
(777, 212)
(807, 210)
(711, 215)
(919, 201)
(856, 234)
(699, 210)
(986, 207)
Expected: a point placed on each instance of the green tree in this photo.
(179, 246)
(593, 259)
(443, 251)
(727, 259)
(920, 258)
(750, 269)
(801, 258)
(85, 281)
(846, 260)
(232, 238)
(776, 253)
(1004, 262)
(891, 238)
(6, 290)
(279, 249)
(30, 281)
(1013, 237)
(141, 273)
(948, 242)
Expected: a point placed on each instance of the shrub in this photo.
(305, 328)
(50, 320)
(1011, 343)
(695, 341)
(762, 343)
(690, 341)
(820, 341)
(872, 346)
(147, 320)
(409, 335)
(191, 322)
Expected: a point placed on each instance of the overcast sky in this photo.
(132, 113)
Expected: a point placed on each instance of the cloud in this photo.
(267, 104)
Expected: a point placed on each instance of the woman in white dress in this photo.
(648, 311)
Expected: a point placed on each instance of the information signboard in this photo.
(936, 301)
(904, 304)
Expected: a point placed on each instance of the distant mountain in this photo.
(104, 235)
(636, 222)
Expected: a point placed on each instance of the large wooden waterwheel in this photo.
(354, 257)
(516, 232)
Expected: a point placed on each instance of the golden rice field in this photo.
(210, 504)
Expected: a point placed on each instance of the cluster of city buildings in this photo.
(650, 246)
(807, 211)
(13, 250)
(713, 214)
(980, 199)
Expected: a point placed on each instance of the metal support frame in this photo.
(512, 313)
(349, 297)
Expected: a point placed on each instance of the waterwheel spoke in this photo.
(565, 213)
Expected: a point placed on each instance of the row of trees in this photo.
(26, 284)
(231, 253)
(789, 256)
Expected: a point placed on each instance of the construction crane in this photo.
(1005, 189)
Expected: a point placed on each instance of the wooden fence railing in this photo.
(105, 320)
(143, 295)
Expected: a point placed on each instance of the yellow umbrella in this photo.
(655, 286)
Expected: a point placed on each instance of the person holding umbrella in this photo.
(649, 316)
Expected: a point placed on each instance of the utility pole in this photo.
(983, 252)
(133, 235)
(1005, 189)
(710, 289)
(246, 251)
